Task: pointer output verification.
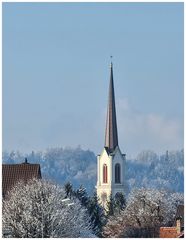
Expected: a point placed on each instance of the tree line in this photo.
(44, 209)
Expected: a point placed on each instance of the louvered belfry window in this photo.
(117, 173)
(104, 173)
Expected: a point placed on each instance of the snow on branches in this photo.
(41, 209)
(146, 209)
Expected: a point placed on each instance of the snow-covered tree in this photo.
(82, 195)
(146, 157)
(78, 166)
(41, 209)
(146, 210)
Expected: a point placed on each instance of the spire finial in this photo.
(111, 61)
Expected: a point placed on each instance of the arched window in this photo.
(104, 173)
(117, 173)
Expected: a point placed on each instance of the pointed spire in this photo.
(111, 134)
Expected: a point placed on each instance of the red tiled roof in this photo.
(168, 232)
(12, 173)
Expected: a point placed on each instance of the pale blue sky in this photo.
(56, 75)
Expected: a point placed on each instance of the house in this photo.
(177, 230)
(12, 173)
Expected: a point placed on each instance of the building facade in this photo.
(111, 165)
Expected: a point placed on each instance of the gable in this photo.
(117, 155)
(104, 153)
(12, 173)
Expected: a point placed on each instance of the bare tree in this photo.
(146, 210)
(39, 209)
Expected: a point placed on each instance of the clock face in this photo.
(104, 197)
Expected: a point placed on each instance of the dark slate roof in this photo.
(108, 150)
(111, 134)
(12, 173)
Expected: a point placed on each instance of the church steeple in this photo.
(111, 134)
(111, 162)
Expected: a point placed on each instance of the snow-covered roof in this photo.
(12, 173)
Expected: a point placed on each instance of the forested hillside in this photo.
(79, 167)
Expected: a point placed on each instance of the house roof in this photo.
(171, 232)
(12, 173)
(168, 232)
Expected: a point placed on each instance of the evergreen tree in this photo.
(110, 206)
(68, 189)
(94, 210)
(81, 194)
(96, 213)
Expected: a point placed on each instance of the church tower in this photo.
(111, 163)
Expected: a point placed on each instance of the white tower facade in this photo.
(111, 165)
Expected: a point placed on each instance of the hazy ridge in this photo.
(79, 167)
